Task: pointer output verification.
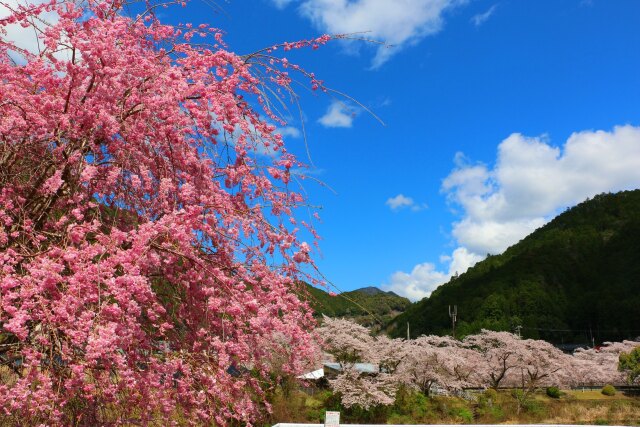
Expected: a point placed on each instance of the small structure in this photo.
(313, 375)
(331, 369)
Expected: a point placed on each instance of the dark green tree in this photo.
(630, 363)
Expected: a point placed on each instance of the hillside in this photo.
(363, 305)
(575, 278)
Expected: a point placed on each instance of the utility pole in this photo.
(518, 328)
(453, 314)
(408, 336)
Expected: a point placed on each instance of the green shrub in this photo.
(534, 407)
(495, 413)
(399, 419)
(372, 415)
(464, 413)
(491, 394)
(487, 400)
(608, 390)
(489, 408)
(412, 404)
(630, 363)
(553, 392)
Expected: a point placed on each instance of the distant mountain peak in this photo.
(368, 306)
(370, 290)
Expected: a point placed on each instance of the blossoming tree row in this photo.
(486, 360)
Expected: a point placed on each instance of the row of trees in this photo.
(485, 360)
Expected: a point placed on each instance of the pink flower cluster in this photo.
(148, 262)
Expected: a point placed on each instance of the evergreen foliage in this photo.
(630, 364)
(608, 390)
(574, 279)
(553, 392)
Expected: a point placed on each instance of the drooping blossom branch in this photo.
(149, 249)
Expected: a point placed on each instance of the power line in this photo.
(579, 330)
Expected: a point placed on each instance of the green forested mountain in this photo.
(576, 278)
(368, 306)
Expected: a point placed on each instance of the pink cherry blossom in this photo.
(148, 264)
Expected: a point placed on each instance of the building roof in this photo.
(369, 368)
(313, 375)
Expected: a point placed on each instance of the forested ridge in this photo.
(368, 306)
(573, 280)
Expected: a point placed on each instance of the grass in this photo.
(597, 395)
(490, 407)
(573, 407)
(595, 412)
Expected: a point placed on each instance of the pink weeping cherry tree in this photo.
(149, 249)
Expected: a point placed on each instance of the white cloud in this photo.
(26, 38)
(418, 284)
(281, 4)
(481, 18)
(462, 260)
(401, 201)
(493, 237)
(398, 23)
(425, 278)
(532, 180)
(338, 115)
(530, 183)
(289, 131)
(307, 171)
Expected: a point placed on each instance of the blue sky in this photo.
(480, 101)
(498, 115)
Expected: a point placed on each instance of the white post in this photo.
(332, 419)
